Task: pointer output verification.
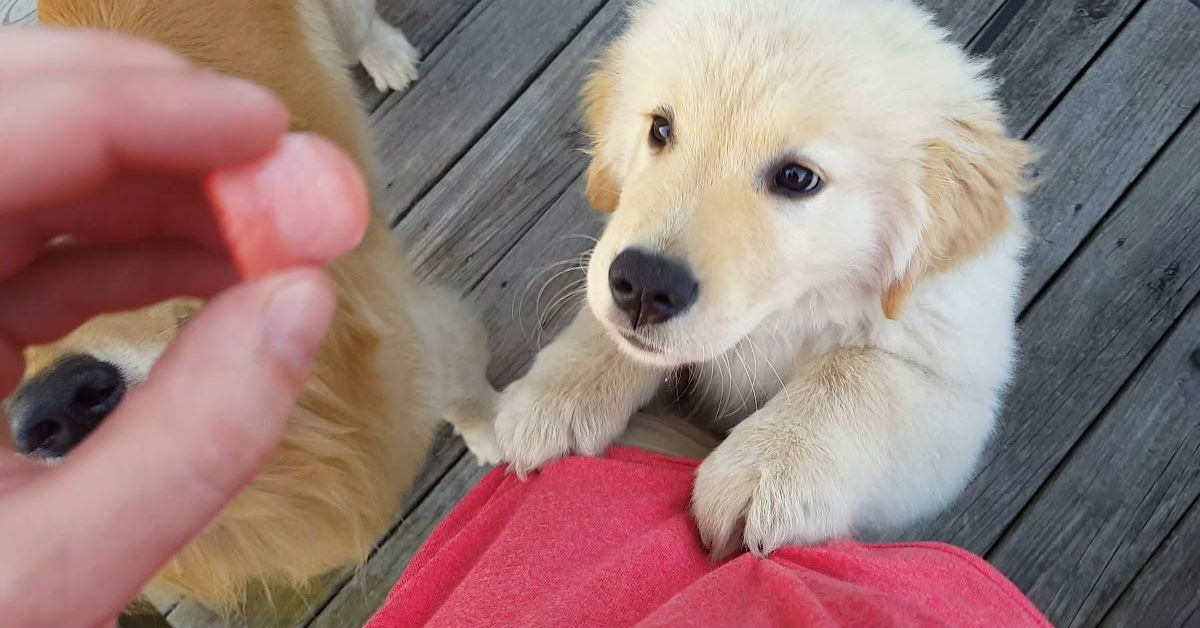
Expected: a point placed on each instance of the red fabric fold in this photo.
(609, 542)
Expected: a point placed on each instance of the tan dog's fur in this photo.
(399, 355)
(853, 342)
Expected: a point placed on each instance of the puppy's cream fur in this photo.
(399, 355)
(854, 342)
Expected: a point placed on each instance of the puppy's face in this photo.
(72, 385)
(756, 152)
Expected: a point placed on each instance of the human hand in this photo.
(108, 141)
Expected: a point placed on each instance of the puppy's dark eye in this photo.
(794, 179)
(660, 131)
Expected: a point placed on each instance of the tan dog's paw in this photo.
(389, 58)
(758, 494)
(539, 423)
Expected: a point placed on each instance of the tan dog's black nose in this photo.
(55, 411)
(651, 288)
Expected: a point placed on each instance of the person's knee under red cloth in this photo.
(610, 542)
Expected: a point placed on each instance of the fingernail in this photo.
(298, 315)
(304, 203)
(317, 178)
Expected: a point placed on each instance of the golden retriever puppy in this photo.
(398, 357)
(814, 242)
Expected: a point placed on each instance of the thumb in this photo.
(175, 452)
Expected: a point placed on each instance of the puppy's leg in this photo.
(859, 438)
(577, 398)
(458, 355)
(382, 49)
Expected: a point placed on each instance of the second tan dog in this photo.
(399, 355)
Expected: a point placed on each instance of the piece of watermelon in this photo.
(302, 204)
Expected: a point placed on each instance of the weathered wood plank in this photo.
(963, 19)
(18, 12)
(513, 174)
(535, 288)
(470, 80)
(1084, 338)
(1099, 518)
(356, 602)
(1164, 594)
(1042, 50)
(425, 23)
(1108, 127)
(282, 606)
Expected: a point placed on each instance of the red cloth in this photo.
(609, 542)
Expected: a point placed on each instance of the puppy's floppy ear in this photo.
(967, 177)
(603, 192)
(603, 188)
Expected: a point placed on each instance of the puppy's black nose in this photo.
(57, 410)
(651, 288)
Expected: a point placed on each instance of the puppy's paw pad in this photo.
(389, 58)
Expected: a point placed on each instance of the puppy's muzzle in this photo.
(650, 288)
(52, 413)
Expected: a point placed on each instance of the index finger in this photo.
(44, 50)
(74, 131)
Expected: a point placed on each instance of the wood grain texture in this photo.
(514, 174)
(1045, 47)
(1130, 479)
(18, 12)
(483, 65)
(963, 19)
(1164, 594)
(1108, 127)
(535, 289)
(355, 602)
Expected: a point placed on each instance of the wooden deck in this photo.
(1087, 498)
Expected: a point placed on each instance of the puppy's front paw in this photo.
(540, 422)
(757, 492)
(389, 58)
(481, 442)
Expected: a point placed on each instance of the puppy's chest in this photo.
(719, 393)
